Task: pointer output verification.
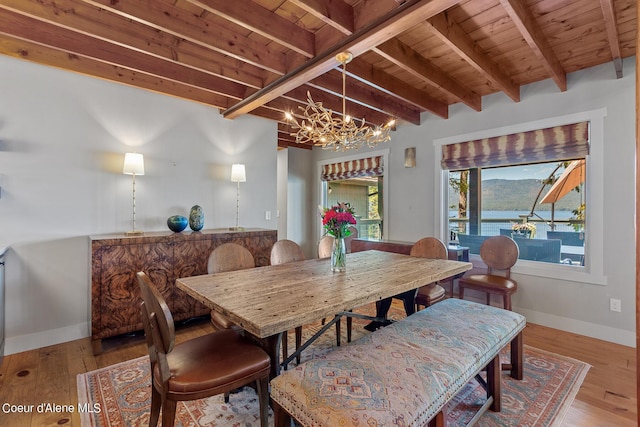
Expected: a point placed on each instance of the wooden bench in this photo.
(405, 373)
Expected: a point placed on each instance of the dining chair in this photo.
(211, 364)
(433, 248)
(282, 252)
(228, 257)
(325, 247)
(499, 253)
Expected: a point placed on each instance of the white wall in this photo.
(62, 141)
(570, 305)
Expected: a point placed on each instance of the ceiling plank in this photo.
(406, 16)
(531, 32)
(612, 34)
(262, 21)
(43, 55)
(94, 21)
(336, 13)
(450, 33)
(165, 17)
(28, 28)
(411, 61)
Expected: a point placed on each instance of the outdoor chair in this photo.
(212, 364)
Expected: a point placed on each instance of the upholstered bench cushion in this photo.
(402, 374)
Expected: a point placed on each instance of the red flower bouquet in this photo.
(336, 220)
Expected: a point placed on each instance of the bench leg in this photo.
(438, 421)
(517, 357)
(281, 418)
(493, 383)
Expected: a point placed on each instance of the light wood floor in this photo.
(48, 375)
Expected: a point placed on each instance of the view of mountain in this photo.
(517, 195)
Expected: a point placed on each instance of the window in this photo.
(592, 190)
(358, 180)
(541, 206)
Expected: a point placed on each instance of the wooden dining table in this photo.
(267, 301)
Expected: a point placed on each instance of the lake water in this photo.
(493, 228)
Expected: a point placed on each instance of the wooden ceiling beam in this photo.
(337, 14)
(164, 16)
(379, 80)
(90, 20)
(398, 20)
(256, 18)
(537, 41)
(363, 94)
(48, 56)
(611, 26)
(414, 63)
(27, 28)
(450, 33)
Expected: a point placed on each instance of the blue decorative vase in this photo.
(196, 218)
(177, 223)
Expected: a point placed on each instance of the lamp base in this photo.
(134, 233)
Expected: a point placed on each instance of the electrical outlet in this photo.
(615, 305)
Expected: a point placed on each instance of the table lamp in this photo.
(238, 175)
(133, 165)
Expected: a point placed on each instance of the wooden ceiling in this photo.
(261, 57)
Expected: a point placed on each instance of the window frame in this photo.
(323, 185)
(593, 271)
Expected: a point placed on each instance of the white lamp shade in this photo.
(133, 164)
(238, 173)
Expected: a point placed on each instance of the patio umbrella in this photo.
(572, 177)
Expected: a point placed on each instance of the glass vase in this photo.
(338, 255)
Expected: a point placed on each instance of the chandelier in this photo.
(323, 128)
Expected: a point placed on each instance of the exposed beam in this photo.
(336, 13)
(164, 16)
(612, 34)
(414, 63)
(43, 55)
(93, 21)
(533, 35)
(28, 28)
(453, 36)
(400, 19)
(256, 18)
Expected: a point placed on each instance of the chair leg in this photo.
(338, 332)
(349, 323)
(460, 291)
(262, 387)
(156, 402)
(298, 342)
(169, 413)
(488, 298)
(285, 346)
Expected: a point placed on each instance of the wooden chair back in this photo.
(429, 247)
(230, 257)
(324, 246)
(284, 251)
(499, 253)
(158, 324)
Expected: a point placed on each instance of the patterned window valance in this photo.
(557, 143)
(371, 166)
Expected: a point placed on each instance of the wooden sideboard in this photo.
(164, 256)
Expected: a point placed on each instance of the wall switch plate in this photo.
(267, 215)
(615, 305)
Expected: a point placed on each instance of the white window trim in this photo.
(593, 272)
(322, 193)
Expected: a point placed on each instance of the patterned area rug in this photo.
(122, 393)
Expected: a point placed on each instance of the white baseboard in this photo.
(593, 330)
(46, 338)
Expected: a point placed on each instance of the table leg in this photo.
(272, 346)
